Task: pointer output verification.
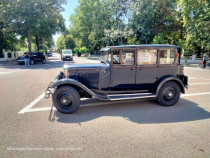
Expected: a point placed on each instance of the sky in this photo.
(69, 9)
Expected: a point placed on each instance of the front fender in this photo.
(78, 84)
(170, 78)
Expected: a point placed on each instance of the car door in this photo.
(146, 70)
(167, 62)
(123, 69)
(37, 56)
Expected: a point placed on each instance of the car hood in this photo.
(21, 57)
(85, 66)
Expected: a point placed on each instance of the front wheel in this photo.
(66, 99)
(31, 62)
(169, 94)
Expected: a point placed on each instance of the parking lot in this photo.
(31, 127)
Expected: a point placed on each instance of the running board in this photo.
(131, 96)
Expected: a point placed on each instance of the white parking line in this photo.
(199, 83)
(194, 94)
(30, 109)
(40, 109)
(8, 72)
(27, 108)
(199, 79)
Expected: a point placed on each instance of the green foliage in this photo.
(84, 50)
(76, 50)
(29, 18)
(98, 23)
(196, 19)
(41, 50)
(69, 42)
(60, 43)
(160, 39)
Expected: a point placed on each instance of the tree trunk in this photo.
(37, 42)
(29, 40)
(1, 39)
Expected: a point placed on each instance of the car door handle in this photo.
(139, 68)
(131, 69)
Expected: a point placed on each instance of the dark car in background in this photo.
(125, 72)
(49, 54)
(34, 58)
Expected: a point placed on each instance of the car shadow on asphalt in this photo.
(141, 112)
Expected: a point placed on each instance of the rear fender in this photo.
(167, 79)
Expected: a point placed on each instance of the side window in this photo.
(123, 57)
(167, 56)
(173, 51)
(116, 57)
(147, 56)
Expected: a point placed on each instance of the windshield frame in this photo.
(105, 57)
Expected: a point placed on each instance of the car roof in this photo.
(139, 46)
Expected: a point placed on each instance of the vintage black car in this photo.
(34, 57)
(125, 72)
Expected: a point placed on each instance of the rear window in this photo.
(167, 56)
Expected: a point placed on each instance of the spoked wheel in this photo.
(169, 94)
(66, 99)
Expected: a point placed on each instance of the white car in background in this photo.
(67, 54)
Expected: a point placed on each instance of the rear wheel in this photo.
(43, 61)
(169, 94)
(66, 99)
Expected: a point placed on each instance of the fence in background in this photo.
(8, 56)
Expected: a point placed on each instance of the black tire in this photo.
(43, 61)
(66, 99)
(169, 94)
(32, 62)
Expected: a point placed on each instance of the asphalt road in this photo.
(30, 128)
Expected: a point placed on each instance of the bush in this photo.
(76, 50)
(84, 50)
(42, 51)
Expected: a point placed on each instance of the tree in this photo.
(60, 43)
(69, 42)
(196, 19)
(23, 17)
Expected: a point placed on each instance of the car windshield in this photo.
(67, 52)
(105, 56)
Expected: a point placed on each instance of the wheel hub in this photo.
(170, 93)
(65, 100)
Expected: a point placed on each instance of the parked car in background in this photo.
(34, 58)
(125, 72)
(66, 54)
(49, 54)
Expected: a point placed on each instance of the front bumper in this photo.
(67, 57)
(49, 90)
